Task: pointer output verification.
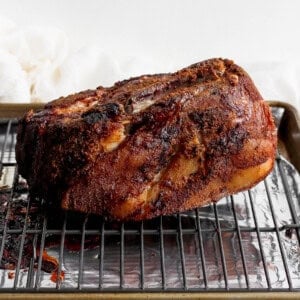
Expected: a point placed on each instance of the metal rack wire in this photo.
(203, 250)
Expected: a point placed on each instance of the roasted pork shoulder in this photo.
(151, 145)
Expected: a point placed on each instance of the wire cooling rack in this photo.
(246, 242)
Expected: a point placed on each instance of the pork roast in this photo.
(151, 145)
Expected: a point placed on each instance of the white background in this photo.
(160, 36)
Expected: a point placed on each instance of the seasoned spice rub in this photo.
(151, 145)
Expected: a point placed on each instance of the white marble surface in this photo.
(96, 42)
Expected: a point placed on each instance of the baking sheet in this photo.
(259, 248)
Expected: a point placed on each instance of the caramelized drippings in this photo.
(49, 263)
(55, 277)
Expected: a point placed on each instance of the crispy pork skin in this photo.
(151, 145)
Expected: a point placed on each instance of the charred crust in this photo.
(159, 204)
(101, 113)
(229, 143)
(210, 121)
(168, 133)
